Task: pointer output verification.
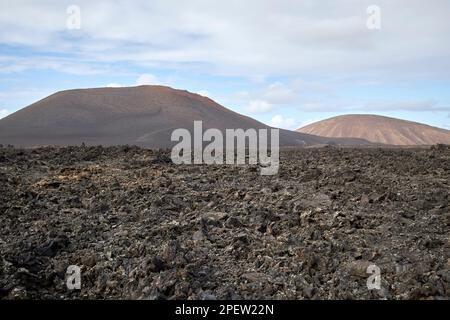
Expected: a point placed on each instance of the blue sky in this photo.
(285, 63)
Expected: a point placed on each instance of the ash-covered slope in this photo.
(378, 129)
(144, 116)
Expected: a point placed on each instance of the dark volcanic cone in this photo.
(144, 116)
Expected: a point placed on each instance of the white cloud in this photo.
(231, 38)
(146, 79)
(258, 106)
(4, 113)
(279, 121)
(76, 66)
(278, 93)
(410, 105)
(114, 85)
(311, 96)
(266, 98)
(306, 122)
(323, 41)
(143, 79)
(296, 93)
(204, 93)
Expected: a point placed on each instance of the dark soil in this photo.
(142, 227)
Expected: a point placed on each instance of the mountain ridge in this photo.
(378, 129)
(141, 115)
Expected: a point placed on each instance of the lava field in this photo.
(141, 227)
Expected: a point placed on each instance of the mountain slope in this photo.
(144, 116)
(378, 129)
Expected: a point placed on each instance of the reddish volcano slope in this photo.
(144, 116)
(378, 129)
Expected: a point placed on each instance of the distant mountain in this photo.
(144, 116)
(378, 129)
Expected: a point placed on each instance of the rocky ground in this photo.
(141, 227)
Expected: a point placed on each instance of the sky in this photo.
(286, 63)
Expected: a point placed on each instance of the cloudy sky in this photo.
(286, 63)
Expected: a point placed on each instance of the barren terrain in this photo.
(142, 227)
(379, 129)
